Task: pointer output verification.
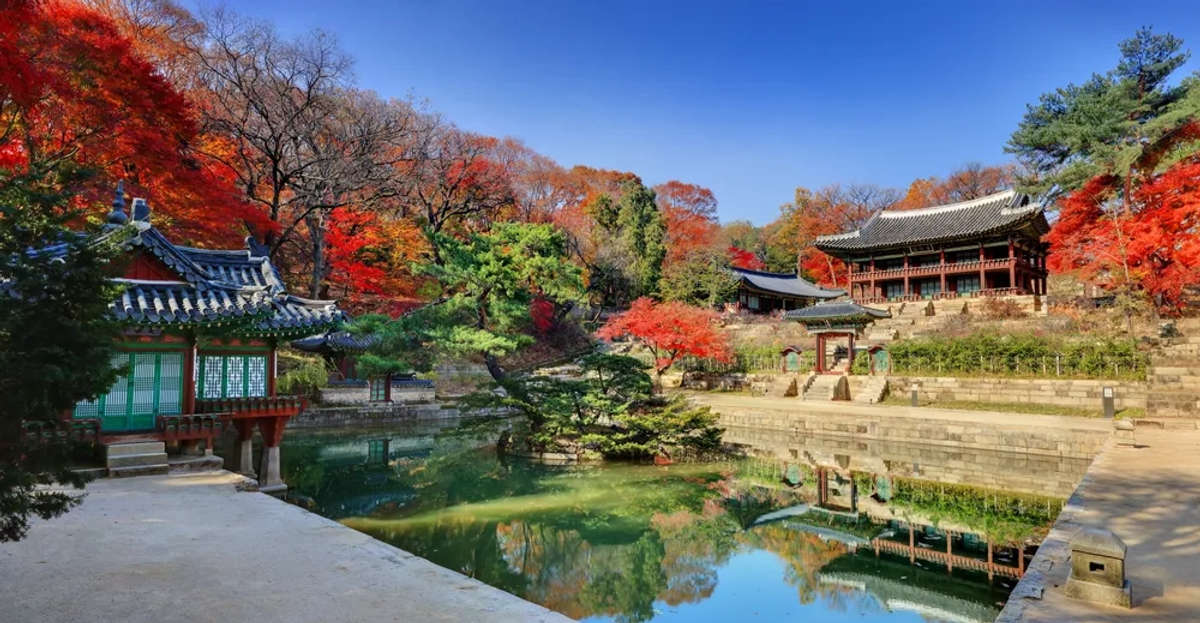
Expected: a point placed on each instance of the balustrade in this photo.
(252, 407)
(192, 426)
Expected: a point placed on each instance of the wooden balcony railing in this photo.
(945, 295)
(937, 269)
(950, 560)
(192, 426)
(251, 407)
(83, 430)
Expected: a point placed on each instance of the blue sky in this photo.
(748, 99)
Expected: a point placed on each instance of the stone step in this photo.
(138, 470)
(134, 447)
(136, 460)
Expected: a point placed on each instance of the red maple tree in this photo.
(1150, 243)
(670, 331)
(691, 216)
(73, 92)
(742, 258)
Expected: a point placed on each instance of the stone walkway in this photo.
(1149, 496)
(190, 548)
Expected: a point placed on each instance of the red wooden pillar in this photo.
(189, 377)
(912, 545)
(982, 275)
(990, 563)
(872, 268)
(949, 553)
(851, 364)
(942, 271)
(820, 353)
(1012, 264)
(271, 371)
(906, 292)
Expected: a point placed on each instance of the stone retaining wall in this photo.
(371, 414)
(360, 395)
(1062, 392)
(914, 428)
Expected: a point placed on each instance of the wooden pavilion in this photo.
(200, 329)
(988, 246)
(763, 292)
(836, 319)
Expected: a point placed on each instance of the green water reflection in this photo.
(618, 542)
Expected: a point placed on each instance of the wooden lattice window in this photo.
(231, 376)
(379, 389)
(153, 387)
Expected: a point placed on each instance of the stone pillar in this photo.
(269, 478)
(242, 454)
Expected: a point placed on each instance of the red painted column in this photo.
(942, 256)
(851, 364)
(271, 372)
(1012, 265)
(906, 292)
(982, 275)
(189, 377)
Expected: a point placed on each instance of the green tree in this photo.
(703, 278)
(488, 283)
(643, 231)
(1115, 123)
(56, 341)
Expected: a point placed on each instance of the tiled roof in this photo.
(335, 341)
(787, 284)
(835, 310)
(239, 289)
(996, 213)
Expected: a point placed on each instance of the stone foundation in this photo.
(915, 428)
(373, 413)
(1061, 392)
(360, 395)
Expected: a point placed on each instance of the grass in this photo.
(1014, 407)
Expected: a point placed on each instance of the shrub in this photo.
(301, 375)
(1020, 355)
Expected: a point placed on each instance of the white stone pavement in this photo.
(190, 548)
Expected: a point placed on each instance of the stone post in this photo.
(242, 455)
(270, 480)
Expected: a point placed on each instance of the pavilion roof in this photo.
(836, 311)
(1000, 212)
(237, 288)
(335, 341)
(785, 284)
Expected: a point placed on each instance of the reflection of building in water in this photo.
(835, 465)
(901, 587)
(1023, 473)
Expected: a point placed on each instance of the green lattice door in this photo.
(154, 387)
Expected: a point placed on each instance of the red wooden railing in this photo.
(941, 557)
(193, 426)
(252, 407)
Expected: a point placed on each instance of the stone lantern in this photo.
(1098, 568)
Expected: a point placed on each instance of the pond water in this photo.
(623, 542)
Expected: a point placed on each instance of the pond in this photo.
(623, 542)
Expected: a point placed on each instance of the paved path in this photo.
(717, 399)
(189, 548)
(1148, 495)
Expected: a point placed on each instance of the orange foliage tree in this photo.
(670, 331)
(970, 181)
(830, 210)
(742, 258)
(691, 216)
(370, 256)
(72, 90)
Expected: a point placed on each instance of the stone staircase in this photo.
(873, 391)
(1174, 376)
(827, 387)
(136, 458)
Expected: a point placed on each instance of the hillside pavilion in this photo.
(984, 247)
(763, 292)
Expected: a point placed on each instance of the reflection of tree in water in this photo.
(804, 553)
